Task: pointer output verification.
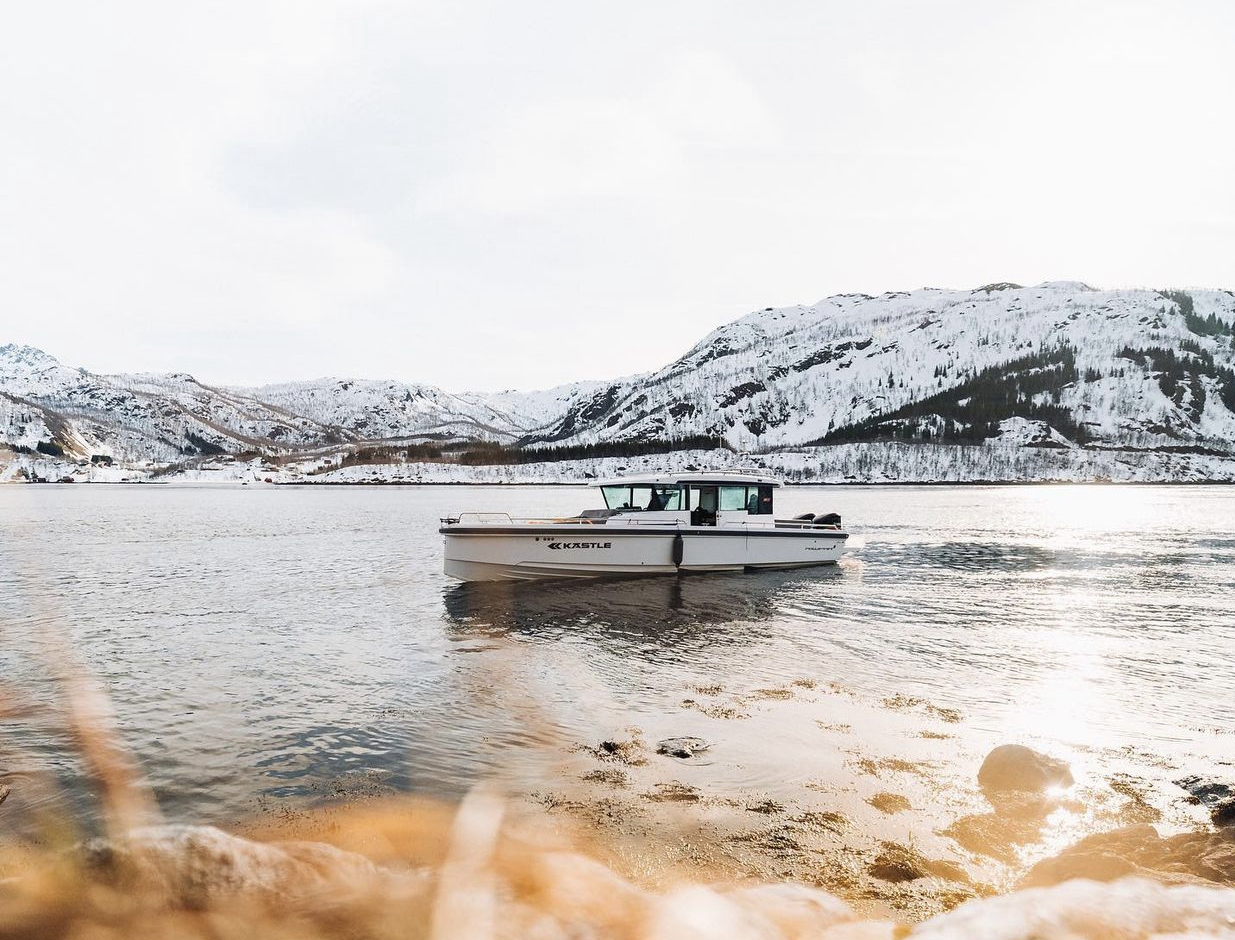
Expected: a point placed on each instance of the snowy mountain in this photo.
(49, 408)
(989, 382)
(1057, 365)
(386, 410)
(367, 410)
(56, 410)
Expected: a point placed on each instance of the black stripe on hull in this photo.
(605, 532)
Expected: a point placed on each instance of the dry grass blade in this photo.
(126, 801)
(466, 902)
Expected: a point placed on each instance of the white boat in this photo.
(657, 524)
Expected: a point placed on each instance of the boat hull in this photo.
(528, 553)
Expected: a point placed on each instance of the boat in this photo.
(657, 524)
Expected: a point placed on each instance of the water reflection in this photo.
(699, 609)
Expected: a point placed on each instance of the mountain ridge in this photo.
(791, 376)
(1060, 365)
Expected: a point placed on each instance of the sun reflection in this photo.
(1076, 514)
(1062, 827)
(1066, 702)
(1061, 708)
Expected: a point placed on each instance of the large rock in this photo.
(898, 863)
(1224, 814)
(682, 747)
(1019, 768)
(1139, 850)
(1206, 790)
(196, 867)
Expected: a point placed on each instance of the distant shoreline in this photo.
(236, 484)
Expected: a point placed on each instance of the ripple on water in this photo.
(259, 642)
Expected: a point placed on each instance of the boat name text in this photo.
(580, 545)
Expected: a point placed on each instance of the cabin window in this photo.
(703, 497)
(763, 496)
(645, 497)
(755, 500)
(670, 497)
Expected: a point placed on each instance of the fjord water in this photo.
(289, 644)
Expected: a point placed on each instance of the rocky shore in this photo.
(913, 833)
(402, 869)
(899, 837)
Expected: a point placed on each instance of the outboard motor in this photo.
(828, 518)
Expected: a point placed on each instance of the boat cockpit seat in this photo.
(701, 516)
(805, 517)
(828, 518)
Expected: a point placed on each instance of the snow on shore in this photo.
(887, 462)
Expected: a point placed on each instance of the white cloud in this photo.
(638, 146)
(546, 191)
(560, 151)
(705, 100)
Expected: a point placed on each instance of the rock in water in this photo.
(1223, 814)
(898, 863)
(1016, 767)
(4, 792)
(1206, 791)
(682, 747)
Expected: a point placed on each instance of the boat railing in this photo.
(503, 518)
(802, 524)
(758, 522)
(625, 520)
(478, 518)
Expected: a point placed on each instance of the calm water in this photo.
(267, 644)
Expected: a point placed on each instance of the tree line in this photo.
(1178, 374)
(483, 454)
(1201, 326)
(971, 411)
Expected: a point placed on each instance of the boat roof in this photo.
(717, 477)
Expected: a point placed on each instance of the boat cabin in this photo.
(701, 499)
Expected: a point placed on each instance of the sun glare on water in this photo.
(1074, 615)
(1076, 513)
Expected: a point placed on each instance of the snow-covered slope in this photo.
(1060, 367)
(48, 407)
(533, 410)
(380, 410)
(51, 408)
(1123, 368)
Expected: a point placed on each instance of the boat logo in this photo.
(580, 545)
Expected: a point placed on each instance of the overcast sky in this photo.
(484, 196)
